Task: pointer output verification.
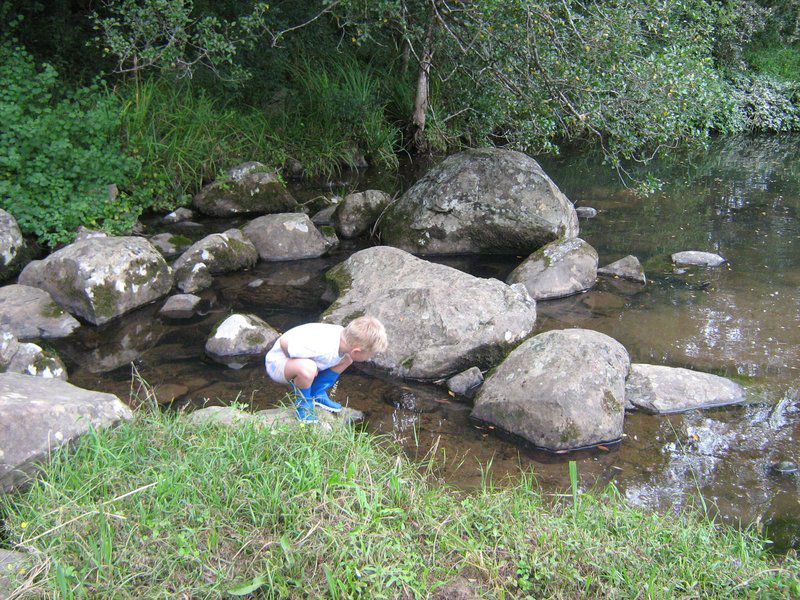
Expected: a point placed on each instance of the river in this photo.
(741, 199)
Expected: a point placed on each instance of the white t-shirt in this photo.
(317, 341)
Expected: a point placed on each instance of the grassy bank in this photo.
(160, 509)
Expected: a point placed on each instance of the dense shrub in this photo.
(59, 152)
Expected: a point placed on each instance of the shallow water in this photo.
(741, 199)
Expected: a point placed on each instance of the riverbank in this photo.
(160, 508)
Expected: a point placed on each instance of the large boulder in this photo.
(480, 201)
(30, 313)
(240, 338)
(659, 389)
(39, 415)
(439, 320)
(560, 390)
(29, 359)
(250, 188)
(357, 213)
(100, 279)
(561, 268)
(11, 246)
(214, 254)
(287, 236)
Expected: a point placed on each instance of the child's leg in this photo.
(301, 372)
(324, 381)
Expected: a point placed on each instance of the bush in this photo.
(59, 152)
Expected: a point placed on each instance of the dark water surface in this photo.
(741, 199)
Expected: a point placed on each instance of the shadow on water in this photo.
(740, 199)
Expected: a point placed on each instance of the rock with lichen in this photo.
(217, 253)
(29, 359)
(250, 188)
(100, 279)
(439, 320)
(31, 313)
(561, 268)
(482, 201)
(357, 213)
(285, 236)
(12, 245)
(559, 390)
(239, 339)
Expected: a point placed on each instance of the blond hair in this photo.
(367, 333)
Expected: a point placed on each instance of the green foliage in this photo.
(165, 35)
(159, 508)
(59, 153)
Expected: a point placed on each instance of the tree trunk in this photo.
(421, 100)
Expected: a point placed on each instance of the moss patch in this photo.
(51, 310)
(105, 301)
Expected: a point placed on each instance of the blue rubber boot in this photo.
(304, 405)
(319, 387)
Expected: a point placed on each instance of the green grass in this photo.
(159, 509)
(778, 61)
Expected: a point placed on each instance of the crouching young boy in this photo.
(311, 357)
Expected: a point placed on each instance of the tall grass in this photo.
(185, 137)
(158, 508)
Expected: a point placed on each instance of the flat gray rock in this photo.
(285, 236)
(178, 215)
(273, 417)
(439, 320)
(180, 306)
(697, 258)
(659, 389)
(560, 390)
(39, 415)
(586, 212)
(625, 268)
(561, 268)
(31, 313)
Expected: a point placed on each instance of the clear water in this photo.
(741, 199)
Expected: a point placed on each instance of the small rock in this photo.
(696, 258)
(465, 383)
(240, 336)
(410, 399)
(255, 283)
(199, 278)
(179, 215)
(84, 233)
(167, 392)
(785, 467)
(293, 169)
(169, 244)
(585, 212)
(626, 268)
(325, 216)
(180, 306)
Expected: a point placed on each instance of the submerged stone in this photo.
(697, 258)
